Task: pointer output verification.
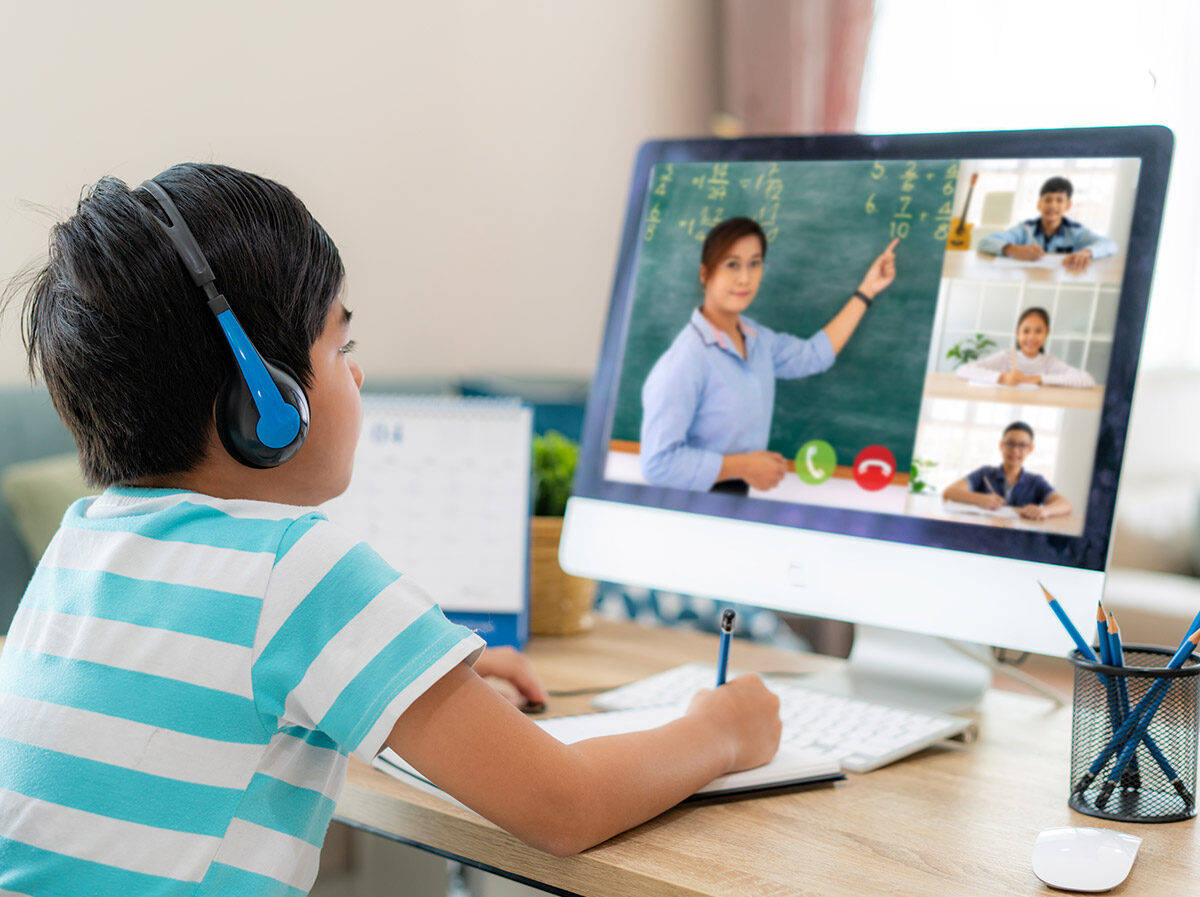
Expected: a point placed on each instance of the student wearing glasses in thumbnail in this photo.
(1010, 484)
(707, 402)
(1052, 232)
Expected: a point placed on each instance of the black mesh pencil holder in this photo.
(1134, 737)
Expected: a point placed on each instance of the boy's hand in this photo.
(1025, 252)
(513, 667)
(881, 273)
(748, 713)
(990, 501)
(1078, 261)
(1033, 512)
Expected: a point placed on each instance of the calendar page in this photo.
(441, 490)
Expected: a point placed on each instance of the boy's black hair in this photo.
(122, 337)
(1057, 185)
(1018, 425)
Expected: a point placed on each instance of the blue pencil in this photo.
(1137, 722)
(1116, 713)
(1116, 655)
(1084, 648)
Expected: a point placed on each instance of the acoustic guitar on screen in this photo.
(960, 231)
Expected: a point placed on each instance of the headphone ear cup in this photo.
(237, 418)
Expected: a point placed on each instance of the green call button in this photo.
(815, 462)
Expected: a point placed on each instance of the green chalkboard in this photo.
(825, 223)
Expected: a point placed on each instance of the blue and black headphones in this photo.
(262, 410)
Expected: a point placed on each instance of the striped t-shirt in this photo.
(181, 687)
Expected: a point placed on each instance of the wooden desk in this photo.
(934, 506)
(942, 385)
(978, 266)
(946, 821)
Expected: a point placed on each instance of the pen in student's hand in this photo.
(727, 618)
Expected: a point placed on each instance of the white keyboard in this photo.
(862, 735)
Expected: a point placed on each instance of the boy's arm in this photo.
(475, 745)
(994, 244)
(1098, 245)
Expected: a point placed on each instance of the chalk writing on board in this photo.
(945, 211)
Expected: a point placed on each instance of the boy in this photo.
(200, 650)
(1010, 484)
(1052, 232)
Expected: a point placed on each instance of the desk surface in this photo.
(947, 821)
(978, 266)
(943, 385)
(935, 507)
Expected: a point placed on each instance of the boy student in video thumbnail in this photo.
(1010, 484)
(1051, 232)
(708, 401)
(200, 650)
(1028, 362)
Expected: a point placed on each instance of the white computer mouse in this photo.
(1083, 859)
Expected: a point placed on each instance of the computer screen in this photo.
(878, 378)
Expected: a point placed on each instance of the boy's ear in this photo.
(703, 276)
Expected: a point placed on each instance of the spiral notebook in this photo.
(441, 490)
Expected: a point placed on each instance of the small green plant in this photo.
(554, 460)
(970, 348)
(916, 476)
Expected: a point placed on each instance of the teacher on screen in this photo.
(708, 401)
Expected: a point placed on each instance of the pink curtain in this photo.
(794, 66)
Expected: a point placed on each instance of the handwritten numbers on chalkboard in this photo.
(653, 220)
(877, 171)
(909, 177)
(871, 207)
(663, 179)
(945, 211)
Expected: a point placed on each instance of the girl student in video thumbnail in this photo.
(1010, 483)
(707, 402)
(1028, 362)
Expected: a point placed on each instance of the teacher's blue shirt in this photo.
(702, 400)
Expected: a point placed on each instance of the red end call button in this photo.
(874, 467)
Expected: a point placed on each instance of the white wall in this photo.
(470, 158)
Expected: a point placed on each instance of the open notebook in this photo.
(789, 768)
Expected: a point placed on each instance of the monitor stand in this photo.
(909, 668)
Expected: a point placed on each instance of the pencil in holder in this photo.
(1134, 734)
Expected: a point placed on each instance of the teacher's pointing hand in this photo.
(881, 273)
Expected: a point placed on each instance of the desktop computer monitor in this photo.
(888, 443)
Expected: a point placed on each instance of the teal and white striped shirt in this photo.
(181, 687)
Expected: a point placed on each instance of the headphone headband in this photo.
(269, 428)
